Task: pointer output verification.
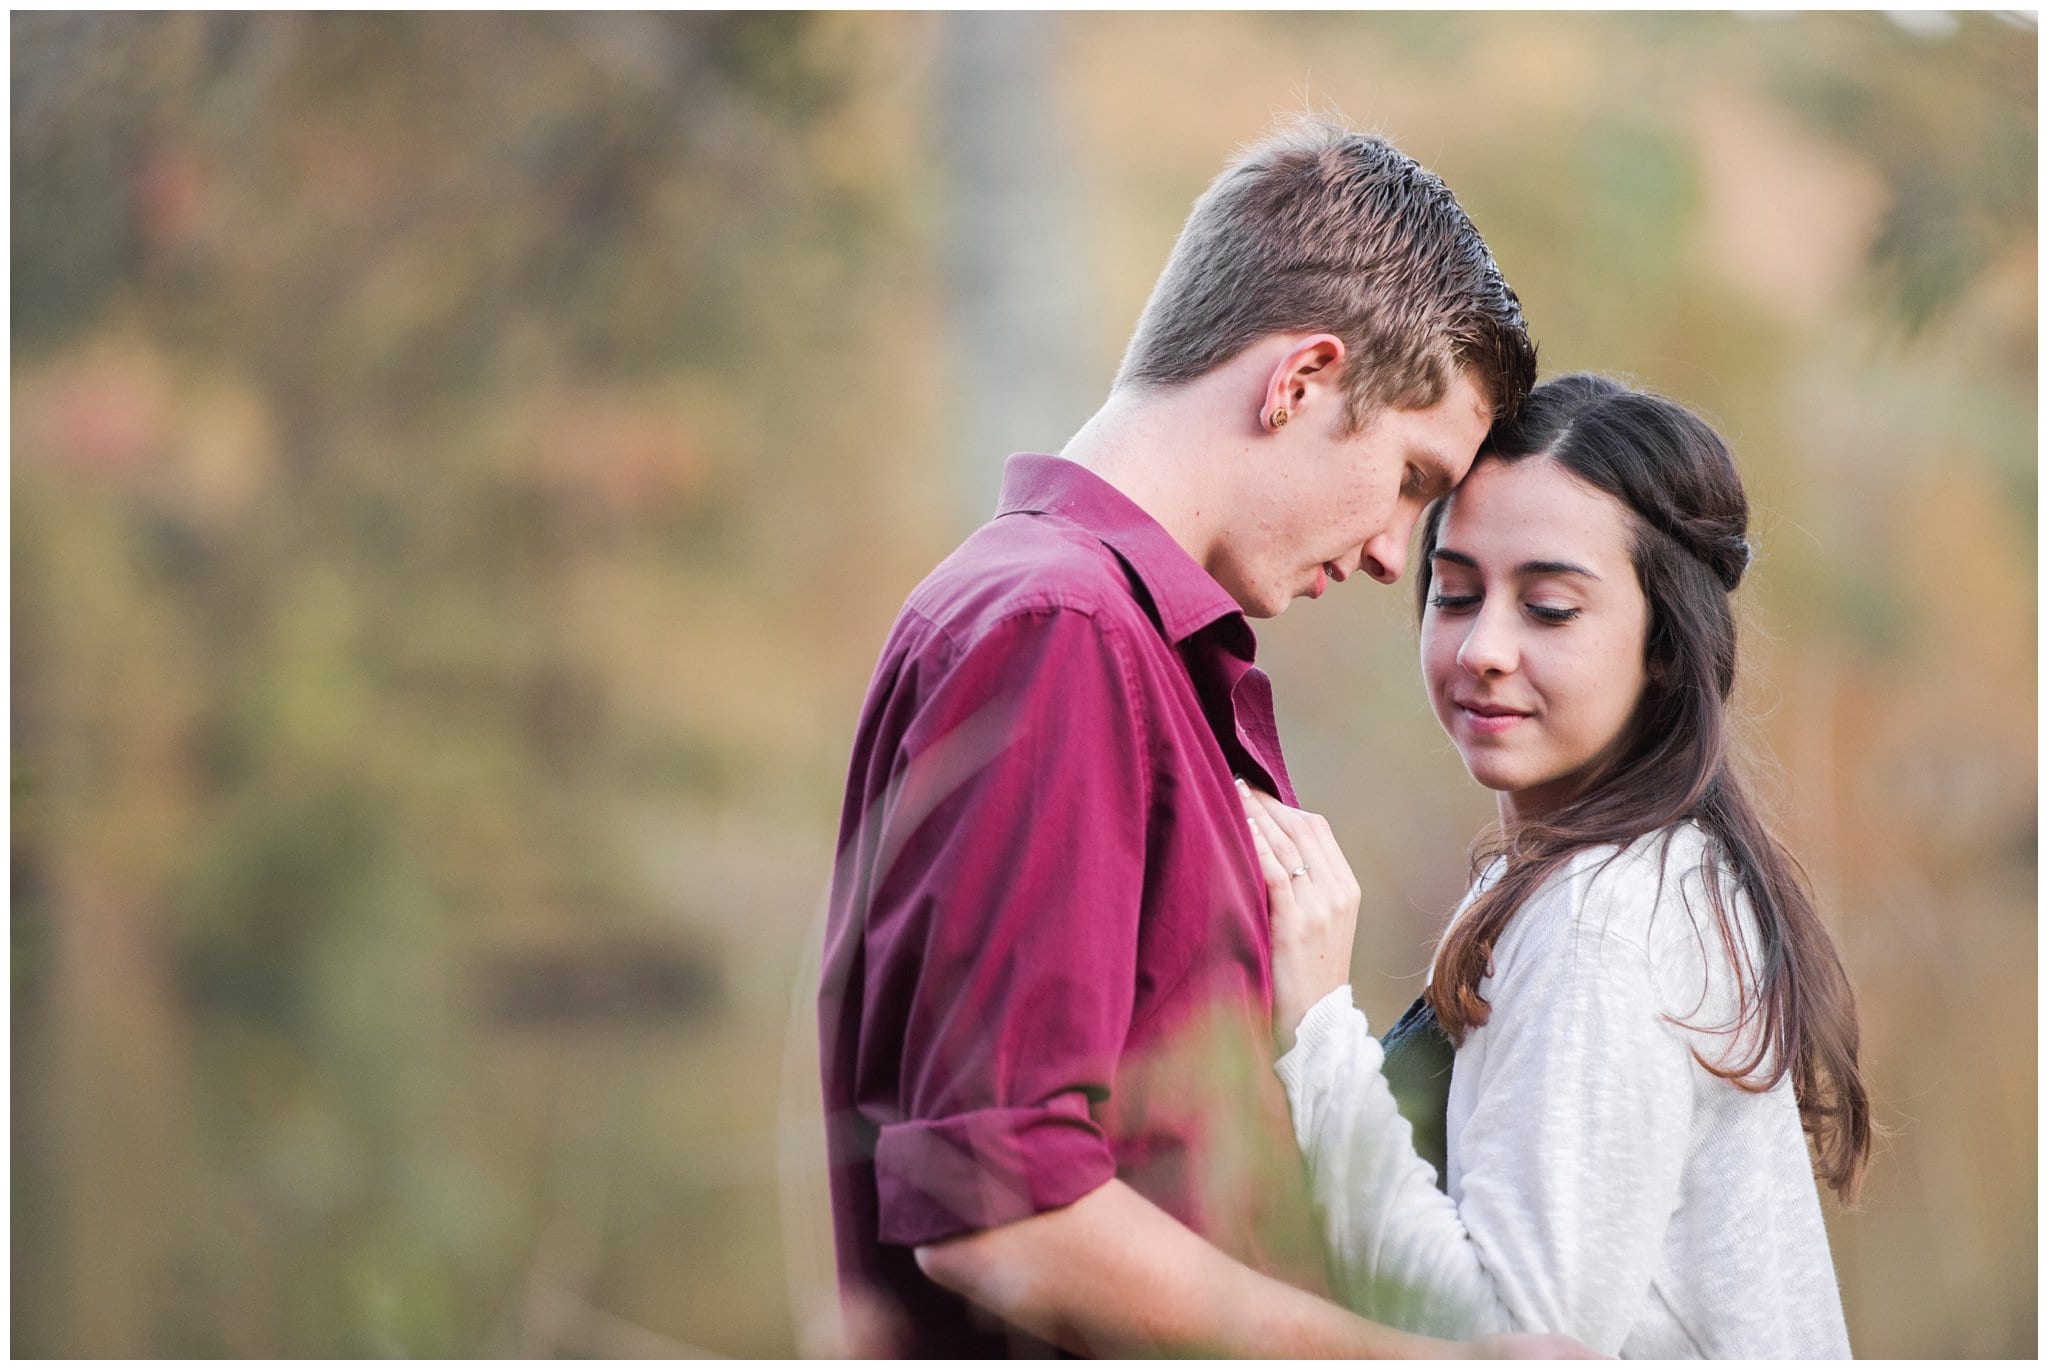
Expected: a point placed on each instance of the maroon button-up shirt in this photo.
(1047, 960)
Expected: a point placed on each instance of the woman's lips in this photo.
(1489, 719)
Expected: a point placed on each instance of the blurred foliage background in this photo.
(465, 466)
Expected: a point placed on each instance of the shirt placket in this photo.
(1251, 708)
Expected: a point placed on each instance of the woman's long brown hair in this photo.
(1690, 548)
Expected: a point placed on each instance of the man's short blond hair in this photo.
(1320, 228)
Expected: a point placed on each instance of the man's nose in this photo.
(1385, 557)
(1490, 645)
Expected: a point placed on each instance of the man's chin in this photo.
(1266, 601)
(1265, 610)
(1258, 603)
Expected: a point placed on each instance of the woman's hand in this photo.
(1314, 899)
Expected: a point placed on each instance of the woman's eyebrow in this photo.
(1527, 568)
(1554, 568)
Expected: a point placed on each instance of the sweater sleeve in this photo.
(1569, 1163)
(1386, 1225)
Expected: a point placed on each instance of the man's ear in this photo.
(1305, 375)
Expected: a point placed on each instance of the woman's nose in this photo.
(1490, 647)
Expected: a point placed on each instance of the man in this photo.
(1044, 1011)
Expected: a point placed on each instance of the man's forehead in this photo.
(1473, 424)
(1465, 409)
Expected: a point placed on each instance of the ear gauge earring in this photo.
(1279, 418)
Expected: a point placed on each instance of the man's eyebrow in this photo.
(1527, 568)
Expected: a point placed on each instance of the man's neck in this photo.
(1165, 452)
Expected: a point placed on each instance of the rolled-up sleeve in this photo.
(1003, 929)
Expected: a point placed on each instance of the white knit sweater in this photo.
(1602, 1183)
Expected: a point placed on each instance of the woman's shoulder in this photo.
(1651, 894)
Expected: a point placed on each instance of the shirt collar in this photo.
(1187, 598)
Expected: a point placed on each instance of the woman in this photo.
(1649, 1019)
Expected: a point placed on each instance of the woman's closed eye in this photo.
(1542, 613)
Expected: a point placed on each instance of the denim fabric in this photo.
(1418, 1071)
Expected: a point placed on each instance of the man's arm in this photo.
(1113, 1275)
